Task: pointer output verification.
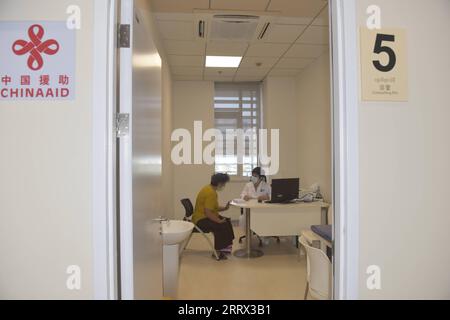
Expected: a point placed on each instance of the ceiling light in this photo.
(222, 62)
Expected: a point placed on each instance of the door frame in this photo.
(344, 104)
(104, 222)
(124, 194)
(345, 118)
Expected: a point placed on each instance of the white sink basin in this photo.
(176, 231)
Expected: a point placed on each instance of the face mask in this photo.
(220, 188)
(254, 179)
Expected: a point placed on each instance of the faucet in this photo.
(161, 219)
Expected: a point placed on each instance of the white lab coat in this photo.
(250, 191)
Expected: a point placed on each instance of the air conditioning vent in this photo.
(201, 28)
(236, 16)
(264, 30)
(233, 27)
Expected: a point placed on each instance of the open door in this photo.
(139, 158)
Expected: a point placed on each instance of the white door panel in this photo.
(140, 162)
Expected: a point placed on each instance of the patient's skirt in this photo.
(223, 232)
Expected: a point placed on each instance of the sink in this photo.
(176, 231)
(174, 234)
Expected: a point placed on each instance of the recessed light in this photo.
(222, 62)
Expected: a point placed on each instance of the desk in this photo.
(276, 219)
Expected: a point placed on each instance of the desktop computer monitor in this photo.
(285, 190)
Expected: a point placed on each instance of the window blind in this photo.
(237, 106)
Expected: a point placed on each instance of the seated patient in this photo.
(206, 215)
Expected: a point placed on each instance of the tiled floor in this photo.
(279, 274)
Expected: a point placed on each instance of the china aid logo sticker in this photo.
(35, 47)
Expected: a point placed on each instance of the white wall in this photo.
(405, 162)
(314, 125)
(45, 169)
(192, 101)
(280, 111)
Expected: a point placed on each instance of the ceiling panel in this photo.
(225, 72)
(294, 20)
(184, 47)
(187, 78)
(283, 33)
(284, 72)
(219, 78)
(322, 19)
(190, 61)
(226, 48)
(315, 35)
(267, 49)
(187, 71)
(176, 30)
(174, 16)
(251, 62)
(298, 8)
(252, 72)
(247, 79)
(178, 5)
(255, 5)
(294, 63)
(288, 47)
(306, 51)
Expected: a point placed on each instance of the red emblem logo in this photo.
(35, 47)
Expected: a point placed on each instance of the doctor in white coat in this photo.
(257, 188)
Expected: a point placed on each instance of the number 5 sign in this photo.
(384, 75)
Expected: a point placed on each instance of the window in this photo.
(237, 109)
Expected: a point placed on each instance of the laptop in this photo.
(284, 190)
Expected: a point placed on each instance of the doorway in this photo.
(344, 157)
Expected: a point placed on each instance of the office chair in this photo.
(318, 272)
(189, 210)
(259, 238)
